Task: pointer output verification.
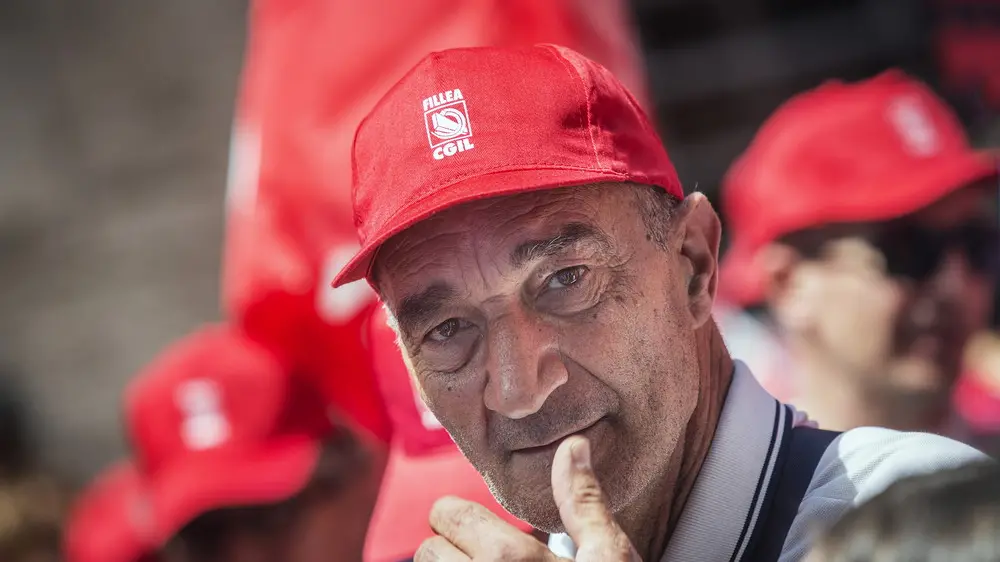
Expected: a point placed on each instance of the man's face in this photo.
(894, 303)
(529, 318)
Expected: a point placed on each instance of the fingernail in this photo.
(580, 453)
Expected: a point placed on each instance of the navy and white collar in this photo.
(725, 506)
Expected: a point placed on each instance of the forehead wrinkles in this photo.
(487, 230)
(407, 253)
(515, 221)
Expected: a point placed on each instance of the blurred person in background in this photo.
(867, 226)
(290, 224)
(947, 516)
(241, 458)
(237, 459)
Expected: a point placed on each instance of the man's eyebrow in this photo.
(569, 234)
(415, 310)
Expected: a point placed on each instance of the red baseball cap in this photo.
(873, 150)
(218, 421)
(111, 521)
(468, 124)
(422, 452)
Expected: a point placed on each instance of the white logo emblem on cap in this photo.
(204, 425)
(446, 118)
(914, 126)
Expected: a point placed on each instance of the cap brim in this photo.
(743, 283)
(507, 182)
(209, 480)
(410, 487)
(106, 523)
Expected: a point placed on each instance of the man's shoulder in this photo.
(857, 466)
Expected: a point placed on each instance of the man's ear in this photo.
(778, 263)
(699, 225)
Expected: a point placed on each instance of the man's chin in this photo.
(526, 489)
(543, 518)
(526, 492)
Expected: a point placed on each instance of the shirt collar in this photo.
(726, 501)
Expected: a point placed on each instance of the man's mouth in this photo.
(550, 444)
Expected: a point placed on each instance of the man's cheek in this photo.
(456, 402)
(600, 351)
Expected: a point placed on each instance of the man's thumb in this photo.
(582, 504)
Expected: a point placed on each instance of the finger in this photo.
(438, 549)
(477, 531)
(583, 506)
(576, 490)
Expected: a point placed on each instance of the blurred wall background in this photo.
(114, 124)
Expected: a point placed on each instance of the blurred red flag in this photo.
(313, 69)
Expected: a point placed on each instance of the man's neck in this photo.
(839, 401)
(650, 523)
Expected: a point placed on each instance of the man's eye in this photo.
(445, 330)
(566, 277)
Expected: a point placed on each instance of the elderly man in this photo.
(552, 290)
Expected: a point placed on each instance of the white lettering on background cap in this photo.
(914, 126)
(204, 424)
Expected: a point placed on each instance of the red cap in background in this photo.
(111, 520)
(874, 150)
(218, 421)
(468, 124)
(424, 463)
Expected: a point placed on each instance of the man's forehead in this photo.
(503, 220)
(514, 229)
(522, 210)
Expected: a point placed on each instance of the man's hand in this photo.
(468, 531)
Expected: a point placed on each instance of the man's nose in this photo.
(524, 365)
